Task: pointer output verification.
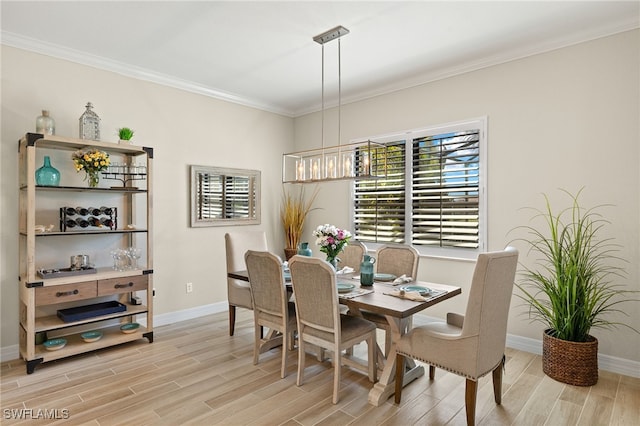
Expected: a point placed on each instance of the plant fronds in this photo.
(570, 289)
(293, 213)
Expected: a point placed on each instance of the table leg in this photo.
(386, 385)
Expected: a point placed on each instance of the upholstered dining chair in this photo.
(237, 243)
(271, 306)
(398, 260)
(471, 345)
(320, 322)
(352, 255)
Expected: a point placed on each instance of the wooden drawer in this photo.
(66, 293)
(122, 285)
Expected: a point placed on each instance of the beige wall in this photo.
(565, 119)
(183, 128)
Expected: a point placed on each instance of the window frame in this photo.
(408, 136)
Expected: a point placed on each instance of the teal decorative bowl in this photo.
(54, 344)
(91, 336)
(130, 327)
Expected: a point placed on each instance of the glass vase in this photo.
(94, 179)
(47, 175)
(45, 124)
(304, 250)
(333, 261)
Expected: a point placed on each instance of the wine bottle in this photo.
(70, 211)
(82, 211)
(70, 223)
(83, 223)
(94, 211)
(94, 221)
(107, 222)
(106, 210)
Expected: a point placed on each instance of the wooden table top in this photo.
(382, 303)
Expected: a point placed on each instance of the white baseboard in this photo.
(610, 363)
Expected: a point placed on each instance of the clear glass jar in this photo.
(45, 124)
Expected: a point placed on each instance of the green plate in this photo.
(384, 277)
(54, 344)
(424, 291)
(91, 336)
(129, 327)
(345, 287)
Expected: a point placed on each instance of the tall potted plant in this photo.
(570, 288)
(293, 213)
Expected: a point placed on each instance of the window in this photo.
(222, 197)
(433, 196)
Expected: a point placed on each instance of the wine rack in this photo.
(102, 218)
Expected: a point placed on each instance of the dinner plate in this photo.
(424, 291)
(129, 327)
(345, 287)
(384, 277)
(91, 336)
(287, 275)
(54, 344)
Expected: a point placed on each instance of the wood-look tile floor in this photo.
(195, 373)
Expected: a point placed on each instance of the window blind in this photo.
(445, 190)
(379, 210)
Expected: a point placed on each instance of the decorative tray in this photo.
(65, 272)
(89, 311)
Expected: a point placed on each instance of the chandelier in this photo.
(358, 160)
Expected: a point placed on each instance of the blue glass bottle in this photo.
(304, 250)
(47, 175)
(366, 270)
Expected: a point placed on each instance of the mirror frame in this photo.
(254, 176)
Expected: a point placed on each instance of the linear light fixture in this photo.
(359, 160)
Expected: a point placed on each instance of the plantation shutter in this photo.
(445, 197)
(380, 203)
(224, 197)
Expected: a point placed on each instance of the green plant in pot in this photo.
(570, 288)
(293, 213)
(125, 134)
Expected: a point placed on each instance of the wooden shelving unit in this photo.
(40, 298)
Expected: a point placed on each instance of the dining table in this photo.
(381, 298)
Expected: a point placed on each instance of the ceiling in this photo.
(262, 54)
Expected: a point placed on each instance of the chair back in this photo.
(352, 255)
(268, 290)
(315, 291)
(488, 306)
(237, 243)
(398, 259)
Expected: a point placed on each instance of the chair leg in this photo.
(232, 319)
(372, 357)
(497, 382)
(257, 339)
(337, 365)
(399, 377)
(286, 342)
(432, 372)
(471, 391)
(301, 356)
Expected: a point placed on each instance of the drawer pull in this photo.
(67, 293)
(130, 284)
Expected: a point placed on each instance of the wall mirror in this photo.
(224, 196)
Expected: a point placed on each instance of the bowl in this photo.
(91, 336)
(54, 344)
(131, 327)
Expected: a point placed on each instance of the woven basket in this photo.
(573, 363)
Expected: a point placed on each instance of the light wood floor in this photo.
(194, 373)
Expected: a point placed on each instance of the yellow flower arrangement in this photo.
(92, 161)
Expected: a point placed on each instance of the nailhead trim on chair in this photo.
(459, 373)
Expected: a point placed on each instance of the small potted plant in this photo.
(293, 214)
(570, 288)
(125, 134)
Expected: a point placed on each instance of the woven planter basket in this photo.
(573, 363)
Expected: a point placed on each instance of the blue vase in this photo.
(47, 175)
(304, 250)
